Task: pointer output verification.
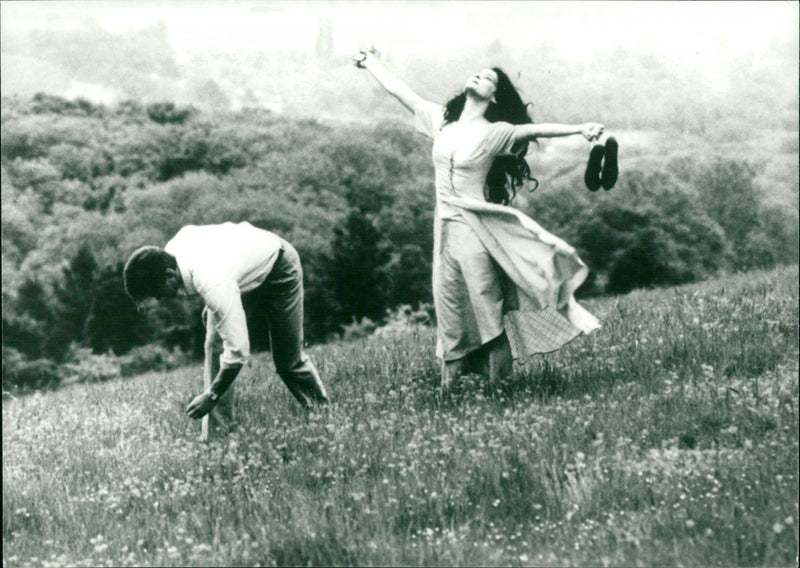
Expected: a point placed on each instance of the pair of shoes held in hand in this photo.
(602, 167)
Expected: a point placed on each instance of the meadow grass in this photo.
(668, 438)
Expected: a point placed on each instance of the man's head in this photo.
(151, 272)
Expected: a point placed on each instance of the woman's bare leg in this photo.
(500, 359)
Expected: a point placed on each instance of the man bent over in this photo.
(222, 262)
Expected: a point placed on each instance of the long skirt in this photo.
(495, 270)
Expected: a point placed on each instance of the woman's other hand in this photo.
(592, 131)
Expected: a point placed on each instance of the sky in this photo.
(702, 31)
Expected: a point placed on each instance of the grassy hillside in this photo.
(670, 437)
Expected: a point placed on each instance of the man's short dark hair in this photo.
(146, 271)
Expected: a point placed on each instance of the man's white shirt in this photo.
(221, 262)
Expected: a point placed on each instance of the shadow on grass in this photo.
(301, 550)
(542, 381)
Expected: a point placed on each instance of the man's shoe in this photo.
(592, 175)
(610, 169)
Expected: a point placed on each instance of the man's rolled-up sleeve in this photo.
(225, 301)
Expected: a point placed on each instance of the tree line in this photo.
(83, 185)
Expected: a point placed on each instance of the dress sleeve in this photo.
(500, 139)
(428, 117)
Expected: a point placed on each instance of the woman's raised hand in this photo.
(360, 59)
(592, 131)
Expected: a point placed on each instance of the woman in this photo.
(502, 286)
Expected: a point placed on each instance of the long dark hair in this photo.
(508, 173)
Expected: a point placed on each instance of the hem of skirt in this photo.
(529, 355)
(467, 350)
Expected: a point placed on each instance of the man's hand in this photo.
(201, 405)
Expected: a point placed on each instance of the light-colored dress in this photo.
(494, 268)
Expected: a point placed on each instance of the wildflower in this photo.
(523, 558)
(689, 524)
(778, 528)
(100, 547)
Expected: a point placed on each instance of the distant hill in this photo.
(26, 75)
(627, 89)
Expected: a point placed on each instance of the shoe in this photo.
(592, 175)
(610, 169)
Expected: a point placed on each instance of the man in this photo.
(222, 262)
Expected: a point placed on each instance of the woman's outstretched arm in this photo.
(398, 89)
(528, 132)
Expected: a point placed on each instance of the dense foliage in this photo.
(83, 185)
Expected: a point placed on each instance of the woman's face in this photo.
(483, 84)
